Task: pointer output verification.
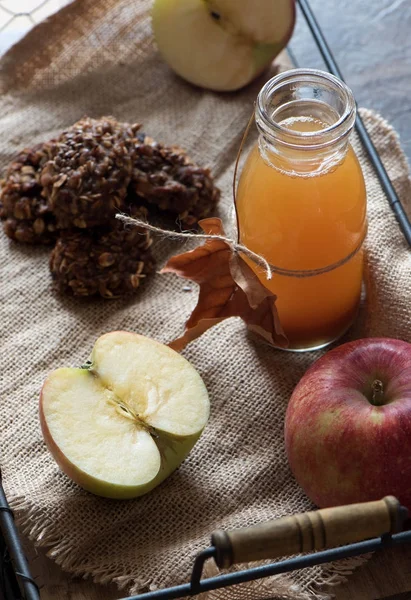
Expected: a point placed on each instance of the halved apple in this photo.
(221, 44)
(126, 420)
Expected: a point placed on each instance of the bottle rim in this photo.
(275, 132)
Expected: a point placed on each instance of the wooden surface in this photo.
(372, 43)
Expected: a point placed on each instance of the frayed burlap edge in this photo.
(279, 587)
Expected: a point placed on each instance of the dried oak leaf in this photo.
(228, 288)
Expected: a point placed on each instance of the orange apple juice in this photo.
(301, 219)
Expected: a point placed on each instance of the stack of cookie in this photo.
(67, 192)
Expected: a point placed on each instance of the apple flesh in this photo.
(348, 424)
(221, 44)
(123, 423)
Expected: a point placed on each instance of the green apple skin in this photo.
(221, 56)
(173, 449)
(263, 56)
(343, 448)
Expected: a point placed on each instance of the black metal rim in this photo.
(16, 581)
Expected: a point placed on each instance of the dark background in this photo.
(371, 41)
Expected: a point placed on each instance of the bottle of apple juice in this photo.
(301, 203)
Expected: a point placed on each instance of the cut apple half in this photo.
(126, 420)
(221, 44)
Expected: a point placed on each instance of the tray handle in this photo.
(305, 532)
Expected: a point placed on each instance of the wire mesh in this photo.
(17, 17)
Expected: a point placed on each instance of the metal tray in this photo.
(16, 582)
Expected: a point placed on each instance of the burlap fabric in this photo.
(97, 58)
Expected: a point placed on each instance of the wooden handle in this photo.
(309, 531)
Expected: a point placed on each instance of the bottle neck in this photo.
(304, 118)
(302, 161)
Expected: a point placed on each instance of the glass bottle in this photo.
(301, 203)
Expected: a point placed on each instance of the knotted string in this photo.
(235, 246)
(237, 161)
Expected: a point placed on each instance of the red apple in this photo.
(348, 424)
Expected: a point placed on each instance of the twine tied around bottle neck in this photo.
(258, 259)
(236, 246)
